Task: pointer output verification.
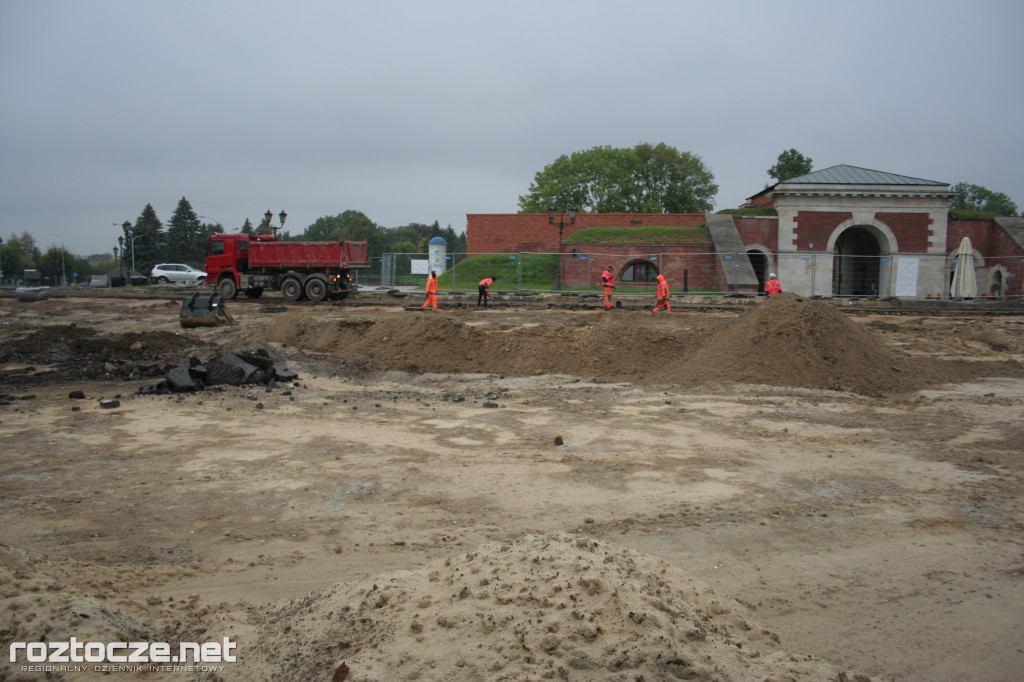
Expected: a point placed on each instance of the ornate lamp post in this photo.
(561, 228)
(120, 242)
(269, 216)
(129, 234)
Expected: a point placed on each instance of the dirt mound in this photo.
(38, 607)
(61, 341)
(786, 341)
(793, 341)
(543, 606)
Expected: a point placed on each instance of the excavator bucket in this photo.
(204, 311)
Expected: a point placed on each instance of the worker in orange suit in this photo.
(663, 296)
(484, 290)
(608, 282)
(431, 302)
(772, 286)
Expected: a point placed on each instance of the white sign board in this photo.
(906, 277)
(420, 267)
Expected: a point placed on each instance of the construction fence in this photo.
(821, 275)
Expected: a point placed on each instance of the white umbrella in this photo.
(964, 284)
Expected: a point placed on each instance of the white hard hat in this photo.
(772, 275)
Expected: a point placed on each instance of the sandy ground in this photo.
(418, 522)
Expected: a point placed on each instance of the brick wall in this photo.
(691, 264)
(815, 227)
(530, 232)
(988, 238)
(763, 231)
(912, 230)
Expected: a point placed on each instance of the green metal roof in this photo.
(852, 175)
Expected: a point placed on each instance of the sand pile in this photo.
(542, 607)
(785, 341)
(38, 606)
(793, 341)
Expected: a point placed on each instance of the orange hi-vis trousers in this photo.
(431, 302)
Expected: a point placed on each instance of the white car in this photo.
(166, 273)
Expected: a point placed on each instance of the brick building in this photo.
(841, 231)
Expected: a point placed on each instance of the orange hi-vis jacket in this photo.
(607, 279)
(772, 286)
(486, 282)
(662, 287)
(431, 285)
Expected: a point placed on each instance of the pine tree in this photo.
(186, 241)
(150, 242)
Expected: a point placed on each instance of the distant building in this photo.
(841, 231)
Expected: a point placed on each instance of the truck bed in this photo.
(308, 255)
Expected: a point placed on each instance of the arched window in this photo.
(639, 271)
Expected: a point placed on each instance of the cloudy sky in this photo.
(415, 111)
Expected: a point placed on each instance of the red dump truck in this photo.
(251, 263)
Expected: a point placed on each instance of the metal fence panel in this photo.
(823, 275)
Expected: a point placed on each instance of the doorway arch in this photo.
(761, 264)
(639, 271)
(858, 266)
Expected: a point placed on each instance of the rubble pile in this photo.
(232, 369)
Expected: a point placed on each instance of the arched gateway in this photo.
(849, 231)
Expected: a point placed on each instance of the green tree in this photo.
(19, 252)
(350, 225)
(976, 198)
(642, 179)
(790, 164)
(150, 241)
(186, 242)
(208, 229)
(247, 227)
(53, 265)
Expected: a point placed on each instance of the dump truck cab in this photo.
(227, 254)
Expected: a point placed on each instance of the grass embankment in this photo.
(641, 235)
(536, 269)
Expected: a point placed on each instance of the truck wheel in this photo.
(291, 290)
(255, 292)
(227, 289)
(316, 289)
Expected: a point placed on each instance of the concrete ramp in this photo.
(1013, 227)
(732, 256)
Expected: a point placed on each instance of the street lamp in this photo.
(120, 242)
(561, 227)
(268, 216)
(63, 275)
(130, 234)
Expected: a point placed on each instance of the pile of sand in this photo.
(785, 341)
(542, 607)
(794, 341)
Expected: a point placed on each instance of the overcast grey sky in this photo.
(428, 110)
